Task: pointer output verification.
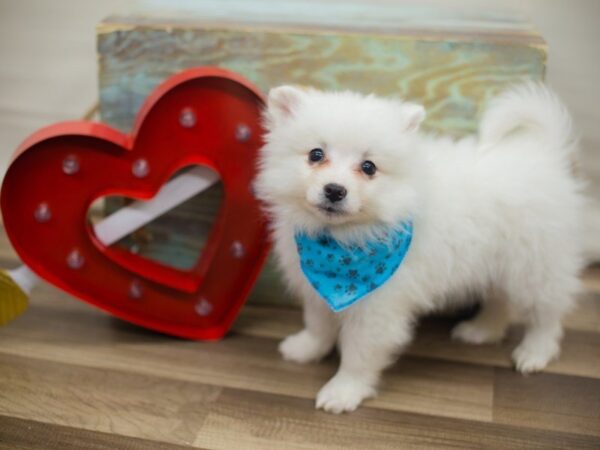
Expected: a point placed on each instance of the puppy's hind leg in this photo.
(489, 325)
(542, 291)
(318, 337)
(543, 305)
(541, 342)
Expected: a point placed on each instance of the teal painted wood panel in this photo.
(453, 79)
(453, 72)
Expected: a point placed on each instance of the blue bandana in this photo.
(343, 275)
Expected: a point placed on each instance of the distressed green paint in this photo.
(452, 79)
(453, 72)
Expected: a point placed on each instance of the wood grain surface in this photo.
(453, 74)
(74, 377)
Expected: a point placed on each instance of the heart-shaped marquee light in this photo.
(207, 117)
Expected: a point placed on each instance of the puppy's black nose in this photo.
(334, 192)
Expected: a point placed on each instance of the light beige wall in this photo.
(48, 61)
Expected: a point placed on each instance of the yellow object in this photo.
(13, 301)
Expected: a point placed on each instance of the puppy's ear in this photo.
(283, 101)
(412, 116)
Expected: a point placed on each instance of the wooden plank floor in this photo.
(73, 377)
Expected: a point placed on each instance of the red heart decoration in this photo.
(192, 118)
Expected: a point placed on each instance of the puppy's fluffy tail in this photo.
(533, 109)
(530, 108)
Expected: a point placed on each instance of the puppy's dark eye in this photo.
(316, 155)
(368, 167)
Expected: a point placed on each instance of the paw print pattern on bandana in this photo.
(343, 275)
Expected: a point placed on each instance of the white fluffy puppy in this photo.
(498, 214)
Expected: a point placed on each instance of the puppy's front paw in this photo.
(303, 347)
(343, 394)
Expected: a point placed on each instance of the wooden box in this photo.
(451, 64)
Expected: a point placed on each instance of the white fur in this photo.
(498, 215)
